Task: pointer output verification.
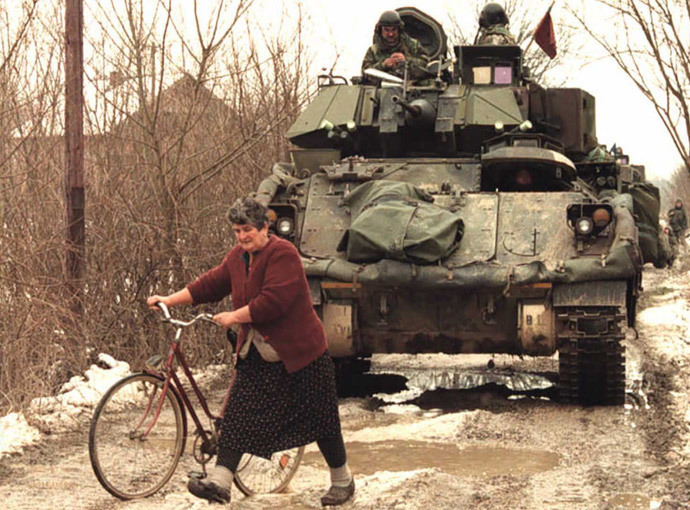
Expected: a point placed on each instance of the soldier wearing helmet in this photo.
(393, 47)
(668, 245)
(678, 222)
(492, 26)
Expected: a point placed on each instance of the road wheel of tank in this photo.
(591, 355)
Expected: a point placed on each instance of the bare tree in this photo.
(678, 187)
(184, 114)
(31, 186)
(650, 42)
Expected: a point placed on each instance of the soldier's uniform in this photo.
(496, 34)
(668, 248)
(678, 222)
(492, 22)
(380, 51)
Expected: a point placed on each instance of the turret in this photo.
(451, 113)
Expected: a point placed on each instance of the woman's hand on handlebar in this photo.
(226, 319)
(181, 297)
(153, 300)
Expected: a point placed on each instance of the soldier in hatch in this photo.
(392, 48)
(492, 26)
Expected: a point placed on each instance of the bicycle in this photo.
(138, 431)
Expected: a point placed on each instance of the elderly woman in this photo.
(284, 392)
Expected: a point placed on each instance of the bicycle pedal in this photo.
(199, 475)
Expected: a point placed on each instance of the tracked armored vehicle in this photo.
(466, 213)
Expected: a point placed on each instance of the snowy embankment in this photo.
(59, 413)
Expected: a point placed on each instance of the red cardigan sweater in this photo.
(278, 296)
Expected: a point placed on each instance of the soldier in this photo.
(492, 22)
(678, 222)
(669, 244)
(393, 47)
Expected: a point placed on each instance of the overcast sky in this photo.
(624, 116)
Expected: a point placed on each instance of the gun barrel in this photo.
(414, 110)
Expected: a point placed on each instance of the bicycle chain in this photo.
(591, 355)
(204, 452)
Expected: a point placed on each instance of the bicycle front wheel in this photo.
(134, 448)
(256, 475)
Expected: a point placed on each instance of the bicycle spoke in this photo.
(256, 475)
(130, 460)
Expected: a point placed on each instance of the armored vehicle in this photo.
(470, 212)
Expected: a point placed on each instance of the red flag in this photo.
(544, 35)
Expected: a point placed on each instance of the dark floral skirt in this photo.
(270, 410)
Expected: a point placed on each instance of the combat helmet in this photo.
(493, 14)
(390, 19)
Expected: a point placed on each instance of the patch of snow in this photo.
(439, 428)
(401, 396)
(61, 412)
(386, 481)
(401, 409)
(79, 394)
(669, 322)
(428, 372)
(15, 433)
(410, 490)
(667, 314)
(352, 407)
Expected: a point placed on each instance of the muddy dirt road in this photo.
(493, 447)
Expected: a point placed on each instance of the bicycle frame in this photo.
(149, 418)
(168, 373)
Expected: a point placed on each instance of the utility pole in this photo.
(74, 151)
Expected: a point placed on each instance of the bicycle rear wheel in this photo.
(256, 475)
(128, 462)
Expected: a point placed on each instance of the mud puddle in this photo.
(463, 379)
(484, 461)
(447, 388)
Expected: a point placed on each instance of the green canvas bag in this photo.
(646, 205)
(396, 220)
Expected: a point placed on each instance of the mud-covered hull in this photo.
(493, 293)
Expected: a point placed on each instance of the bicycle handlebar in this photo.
(207, 317)
(164, 308)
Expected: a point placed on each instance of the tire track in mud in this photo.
(666, 381)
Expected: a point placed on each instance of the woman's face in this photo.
(251, 238)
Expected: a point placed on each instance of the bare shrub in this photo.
(679, 188)
(649, 40)
(178, 128)
(31, 207)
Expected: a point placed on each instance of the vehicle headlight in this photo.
(601, 217)
(285, 226)
(584, 225)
